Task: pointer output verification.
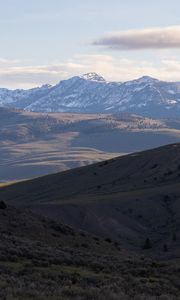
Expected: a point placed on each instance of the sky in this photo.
(45, 41)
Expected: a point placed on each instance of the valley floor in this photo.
(36, 144)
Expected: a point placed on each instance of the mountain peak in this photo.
(142, 80)
(146, 79)
(93, 77)
(46, 86)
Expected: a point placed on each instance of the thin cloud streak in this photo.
(112, 69)
(140, 39)
(5, 61)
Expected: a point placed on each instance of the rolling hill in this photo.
(122, 238)
(130, 198)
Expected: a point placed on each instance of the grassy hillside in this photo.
(45, 260)
(129, 198)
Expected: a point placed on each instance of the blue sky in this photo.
(48, 40)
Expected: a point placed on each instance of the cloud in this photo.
(25, 76)
(5, 61)
(112, 69)
(150, 38)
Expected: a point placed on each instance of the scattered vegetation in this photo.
(72, 266)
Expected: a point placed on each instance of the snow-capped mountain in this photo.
(22, 98)
(93, 77)
(91, 93)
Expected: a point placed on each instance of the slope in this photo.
(43, 259)
(129, 198)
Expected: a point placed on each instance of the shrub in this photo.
(108, 240)
(147, 244)
(174, 237)
(154, 166)
(84, 245)
(165, 248)
(3, 205)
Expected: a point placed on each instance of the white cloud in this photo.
(113, 69)
(137, 39)
(24, 76)
(5, 61)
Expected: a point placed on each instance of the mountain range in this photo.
(91, 93)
